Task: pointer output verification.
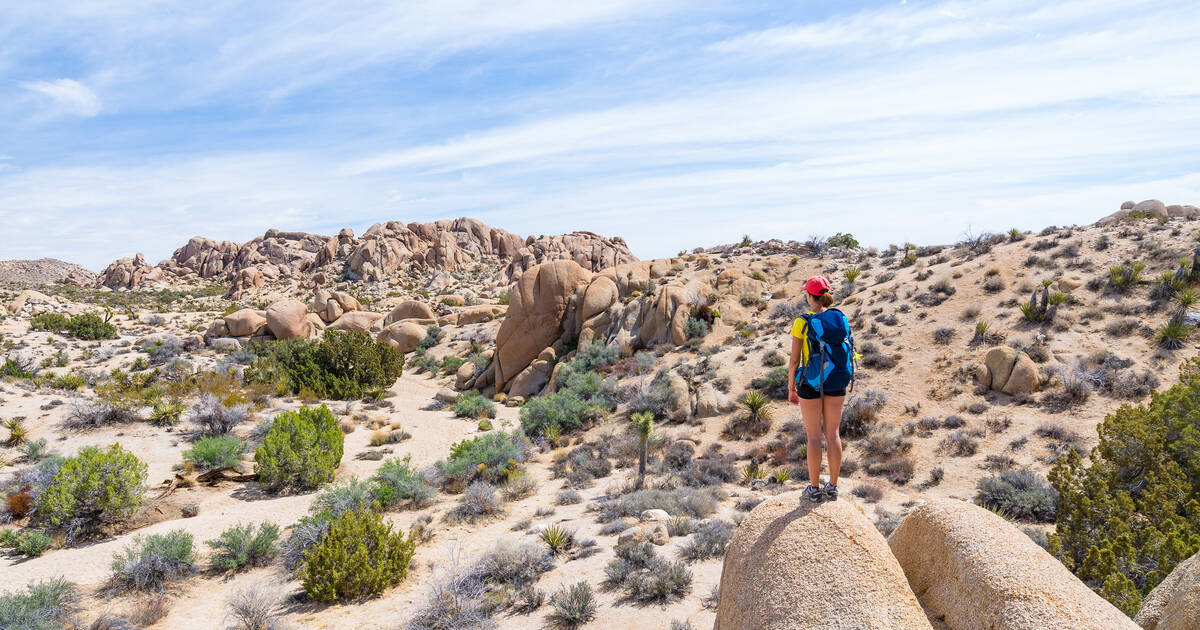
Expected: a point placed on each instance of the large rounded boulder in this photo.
(793, 564)
(1175, 603)
(245, 322)
(979, 572)
(409, 309)
(1009, 371)
(287, 319)
(535, 315)
(361, 321)
(404, 336)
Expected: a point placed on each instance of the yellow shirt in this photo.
(800, 331)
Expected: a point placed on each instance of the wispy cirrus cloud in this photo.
(66, 96)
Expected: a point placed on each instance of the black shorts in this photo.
(807, 392)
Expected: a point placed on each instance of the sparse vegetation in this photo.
(473, 405)
(341, 365)
(359, 557)
(94, 487)
(243, 546)
(153, 562)
(301, 450)
(1019, 494)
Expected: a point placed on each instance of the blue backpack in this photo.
(831, 358)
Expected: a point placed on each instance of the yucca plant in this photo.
(1173, 335)
(981, 329)
(557, 538)
(1124, 277)
(1032, 312)
(17, 433)
(781, 476)
(552, 432)
(1058, 297)
(755, 403)
(643, 424)
(852, 274)
(1186, 299)
(752, 472)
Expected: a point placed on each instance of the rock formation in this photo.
(1175, 603)
(1151, 207)
(1008, 371)
(129, 273)
(977, 571)
(793, 564)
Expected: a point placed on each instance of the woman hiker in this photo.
(820, 371)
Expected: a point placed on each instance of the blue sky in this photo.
(130, 126)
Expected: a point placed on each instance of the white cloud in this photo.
(67, 96)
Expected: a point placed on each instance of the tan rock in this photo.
(449, 299)
(27, 296)
(535, 315)
(362, 321)
(404, 336)
(1152, 206)
(977, 571)
(1175, 603)
(246, 282)
(449, 319)
(600, 295)
(286, 319)
(710, 402)
(409, 309)
(794, 565)
(217, 329)
(1024, 377)
(479, 314)
(999, 362)
(463, 376)
(532, 379)
(244, 323)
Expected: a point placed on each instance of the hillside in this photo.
(579, 331)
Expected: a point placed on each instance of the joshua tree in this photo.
(643, 423)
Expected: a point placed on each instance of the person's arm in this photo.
(793, 362)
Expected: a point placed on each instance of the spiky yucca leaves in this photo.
(643, 425)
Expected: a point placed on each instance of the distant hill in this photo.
(44, 271)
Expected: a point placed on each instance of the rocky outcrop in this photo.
(590, 251)
(1151, 207)
(45, 271)
(247, 281)
(30, 299)
(330, 305)
(244, 323)
(977, 571)
(129, 273)
(275, 254)
(536, 311)
(793, 564)
(403, 335)
(387, 247)
(361, 321)
(1008, 371)
(409, 309)
(1175, 603)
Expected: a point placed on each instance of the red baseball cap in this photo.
(816, 285)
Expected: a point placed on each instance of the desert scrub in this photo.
(341, 365)
(211, 453)
(754, 419)
(773, 383)
(1019, 494)
(85, 326)
(95, 486)
(861, 412)
(645, 577)
(359, 557)
(472, 404)
(212, 416)
(708, 541)
(581, 398)
(243, 546)
(301, 450)
(46, 605)
(398, 481)
(694, 502)
(656, 396)
(150, 563)
(479, 501)
(32, 544)
(573, 605)
(695, 328)
(255, 607)
(1174, 334)
(489, 457)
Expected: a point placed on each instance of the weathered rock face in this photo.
(330, 305)
(537, 307)
(409, 309)
(287, 319)
(1008, 371)
(590, 251)
(129, 273)
(248, 281)
(977, 571)
(243, 323)
(404, 336)
(362, 321)
(1175, 603)
(1154, 207)
(29, 298)
(793, 564)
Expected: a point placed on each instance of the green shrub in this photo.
(150, 563)
(1173, 335)
(489, 457)
(472, 404)
(86, 326)
(359, 557)
(1124, 277)
(645, 577)
(243, 546)
(33, 544)
(211, 453)
(1019, 494)
(695, 328)
(774, 383)
(301, 450)
(95, 486)
(595, 355)
(46, 605)
(48, 322)
(432, 334)
(843, 240)
(581, 399)
(398, 480)
(1133, 512)
(341, 365)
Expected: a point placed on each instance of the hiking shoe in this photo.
(813, 493)
(830, 491)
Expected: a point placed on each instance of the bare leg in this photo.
(811, 410)
(833, 442)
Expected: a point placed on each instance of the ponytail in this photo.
(825, 299)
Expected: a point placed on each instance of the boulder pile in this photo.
(1009, 371)
(1151, 207)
